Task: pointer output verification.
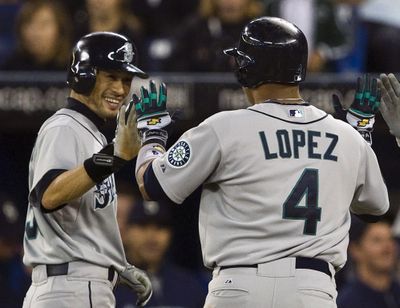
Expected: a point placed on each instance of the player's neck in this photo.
(275, 92)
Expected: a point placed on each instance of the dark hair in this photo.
(29, 8)
(359, 228)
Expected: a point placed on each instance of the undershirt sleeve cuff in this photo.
(370, 218)
(36, 195)
(153, 187)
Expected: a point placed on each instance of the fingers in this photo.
(130, 114)
(144, 298)
(389, 83)
(374, 89)
(144, 96)
(395, 84)
(162, 99)
(336, 103)
(137, 102)
(153, 93)
(121, 116)
(367, 84)
(383, 107)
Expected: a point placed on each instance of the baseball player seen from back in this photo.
(279, 179)
(72, 239)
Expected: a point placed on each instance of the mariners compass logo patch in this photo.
(179, 155)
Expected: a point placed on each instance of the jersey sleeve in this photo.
(188, 163)
(371, 196)
(56, 149)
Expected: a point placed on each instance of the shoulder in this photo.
(68, 120)
(225, 117)
(345, 129)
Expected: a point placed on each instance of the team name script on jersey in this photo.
(290, 142)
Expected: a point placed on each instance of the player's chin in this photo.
(111, 111)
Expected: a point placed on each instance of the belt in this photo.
(62, 269)
(301, 262)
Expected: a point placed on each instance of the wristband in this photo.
(148, 152)
(159, 136)
(102, 165)
(398, 141)
(360, 123)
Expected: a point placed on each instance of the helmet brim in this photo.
(135, 71)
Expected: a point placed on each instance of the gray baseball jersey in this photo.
(278, 181)
(85, 229)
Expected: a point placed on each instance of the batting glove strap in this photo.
(148, 152)
(102, 165)
(159, 136)
(154, 121)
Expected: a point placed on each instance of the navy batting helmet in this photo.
(270, 50)
(103, 50)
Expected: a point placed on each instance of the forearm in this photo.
(140, 179)
(68, 186)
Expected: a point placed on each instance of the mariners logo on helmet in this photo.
(122, 54)
(179, 155)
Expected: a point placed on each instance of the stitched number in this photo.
(31, 227)
(306, 188)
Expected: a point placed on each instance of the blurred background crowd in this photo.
(176, 35)
(188, 36)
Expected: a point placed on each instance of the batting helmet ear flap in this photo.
(81, 75)
(83, 81)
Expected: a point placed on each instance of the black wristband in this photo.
(102, 165)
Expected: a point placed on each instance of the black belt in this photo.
(301, 262)
(62, 269)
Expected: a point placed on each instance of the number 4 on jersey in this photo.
(306, 186)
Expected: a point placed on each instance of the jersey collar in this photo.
(77, 106)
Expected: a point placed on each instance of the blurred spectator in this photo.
(201, 41)
(148, 239)
(383, 27)
(14, 280)
(127, 197)
(355, 60)
(373, 250)
(8, 13)
(109, 15)
(43, 37)
(161, 18)
(329, 26)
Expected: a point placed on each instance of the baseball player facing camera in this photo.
(279, 179)
(72, 239)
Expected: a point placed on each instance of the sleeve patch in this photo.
(179, 154)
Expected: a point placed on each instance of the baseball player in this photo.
(72, 239)
(279, 178)
(390, 105)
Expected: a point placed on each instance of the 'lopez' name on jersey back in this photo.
(289, 144)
